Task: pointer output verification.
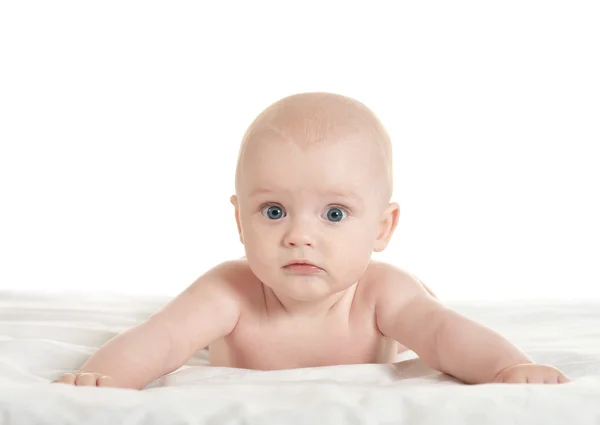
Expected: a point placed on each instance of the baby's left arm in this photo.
(448, 341)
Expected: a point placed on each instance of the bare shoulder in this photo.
(207, 309)
(387, 285)
(398, 295)
(217, 288)
(233, 279)
(385, 279)
(228, 278)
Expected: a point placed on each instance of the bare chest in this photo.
(270, 343)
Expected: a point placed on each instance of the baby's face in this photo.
(321, 204)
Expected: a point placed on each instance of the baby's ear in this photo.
(387, 225)
(234, 202)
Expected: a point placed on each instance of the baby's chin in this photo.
(305, 287)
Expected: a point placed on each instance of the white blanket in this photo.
(45, 335)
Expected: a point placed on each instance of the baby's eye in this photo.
(335, 214)
(273, 212)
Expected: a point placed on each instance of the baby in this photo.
(312, 202)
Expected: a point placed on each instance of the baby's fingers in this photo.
(555, 379)
(86, 379)
(67, 378)
(106, 381)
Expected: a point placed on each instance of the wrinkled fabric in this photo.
(43, 336)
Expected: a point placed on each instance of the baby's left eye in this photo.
(335, 214)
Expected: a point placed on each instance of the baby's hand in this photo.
(86, 379)
(530, 373)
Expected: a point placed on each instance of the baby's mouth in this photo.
(302, 268)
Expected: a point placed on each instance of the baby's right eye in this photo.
(273, 212)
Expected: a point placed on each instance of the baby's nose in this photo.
(299, 242)
(299, 236)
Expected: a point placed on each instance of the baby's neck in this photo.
(281, 304)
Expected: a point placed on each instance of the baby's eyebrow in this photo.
(259, 191)
(335, 193)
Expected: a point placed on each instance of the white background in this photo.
(120, 124)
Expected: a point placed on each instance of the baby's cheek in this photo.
(261, 256)
(255, 251)
(352, 259)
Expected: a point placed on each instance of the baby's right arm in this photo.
(206, 311)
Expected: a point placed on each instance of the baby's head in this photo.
(314, 182)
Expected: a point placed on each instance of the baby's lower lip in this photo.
(302, 268)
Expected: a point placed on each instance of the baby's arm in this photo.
(446, 340)
(207, 310)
